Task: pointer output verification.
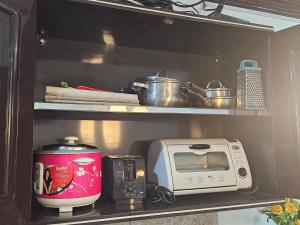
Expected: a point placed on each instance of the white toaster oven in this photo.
(192, 166)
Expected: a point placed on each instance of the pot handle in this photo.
(248, 64)
(215, 82)
(38, 178)
(71, 140)
(138, 84)
(190, 86)
(162, 72)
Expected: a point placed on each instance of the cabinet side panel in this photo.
(285, 72)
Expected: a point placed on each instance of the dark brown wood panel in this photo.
(5, 31)
(17, 46)
(285, 76)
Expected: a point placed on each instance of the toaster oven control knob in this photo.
(242, 172)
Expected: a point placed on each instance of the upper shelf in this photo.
(114, 24)
(145, 109)
(179, 15)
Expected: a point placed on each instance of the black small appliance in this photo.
(124, 179)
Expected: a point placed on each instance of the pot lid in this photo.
(218, 89)
(69, 144)
(161, 76)
(218, 86)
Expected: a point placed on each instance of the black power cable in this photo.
(193, 7)
(156, 193)
(179, 4)
(156, 3)
(168, 4)
(217, 11)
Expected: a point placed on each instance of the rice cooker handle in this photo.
(71, 140)
(83, 161)
(38, 178)
(199, 146)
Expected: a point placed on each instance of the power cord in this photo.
(215, 11)
(180, 4)
(195, 12)
(168, 4)
(156, 3)
(218, 10)
(156, 193)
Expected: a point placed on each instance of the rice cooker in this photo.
(67, 175)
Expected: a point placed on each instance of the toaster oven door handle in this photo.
(199, 146)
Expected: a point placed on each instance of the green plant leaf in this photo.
(64, 84)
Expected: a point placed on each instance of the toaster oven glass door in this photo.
(210, 161)
(208, 168)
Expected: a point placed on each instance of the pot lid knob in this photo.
(71, 140)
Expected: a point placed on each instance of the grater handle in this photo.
(248, 63)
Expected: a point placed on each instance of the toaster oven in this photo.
(192, 166)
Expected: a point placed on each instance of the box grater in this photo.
(250, 93)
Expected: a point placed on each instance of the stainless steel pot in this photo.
(213, 97)
(220, 91)
(209, 92)
(220, 102)
(160, 90)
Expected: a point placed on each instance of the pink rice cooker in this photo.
(67, 175)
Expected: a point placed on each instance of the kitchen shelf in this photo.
(42, 106)
(104, 212)
(178, 15)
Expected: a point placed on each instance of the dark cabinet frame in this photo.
(15, 202)
(15, 199)
(10, 139)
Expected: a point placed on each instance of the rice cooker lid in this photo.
(70, 145)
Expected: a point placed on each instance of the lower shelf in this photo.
(105, 213)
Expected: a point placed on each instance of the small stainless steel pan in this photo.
(213, 97)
